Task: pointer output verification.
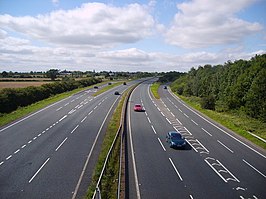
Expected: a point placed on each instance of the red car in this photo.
(138, 107)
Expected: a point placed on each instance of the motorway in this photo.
(52, 152)
(216, 162)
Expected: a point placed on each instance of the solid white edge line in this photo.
(225, 146)
(175, 169)
(161, 144)
(216, 171)
(254, 168)
(132, 151)
(33, 114)
(227, 170)
(92, 148)
(202, 145)
(221, 129)
(179, 121)
(187, 130)
(168, 120)
(39, 170)
(191, 146)
(61, 144)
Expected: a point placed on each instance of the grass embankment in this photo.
(154, 89)
(102, 90)
(109, 180)
(23, 111)
(234, 121)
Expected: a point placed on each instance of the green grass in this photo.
(109, 180)
(235, 121)
(106, 88)
(23, 111)
(154, 89)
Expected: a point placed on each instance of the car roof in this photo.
(173, 132)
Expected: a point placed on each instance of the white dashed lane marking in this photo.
(9, 157)
(61, 119)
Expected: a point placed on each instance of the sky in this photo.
(127, 35)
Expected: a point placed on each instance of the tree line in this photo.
(239, 85)
(12, 98)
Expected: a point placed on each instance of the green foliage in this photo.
(52, 73)
(154, 89)
(239, 85)
(170, 76)
(208, 102)
(13, 98)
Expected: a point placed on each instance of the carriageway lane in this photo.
(47, 159)
(161, 172)
(244, 160)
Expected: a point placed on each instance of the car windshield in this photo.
(137, 105)
(176, 136)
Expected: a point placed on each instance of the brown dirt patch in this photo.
(20, 84)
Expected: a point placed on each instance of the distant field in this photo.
(20, 84)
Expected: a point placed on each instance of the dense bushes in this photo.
(240, 85)
(12, 98)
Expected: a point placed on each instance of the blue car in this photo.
(175, 139)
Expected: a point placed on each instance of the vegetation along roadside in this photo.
(154, 89)
(232, 94)
(109, 188)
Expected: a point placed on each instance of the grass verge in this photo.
(23, 111)
(234, 121)
(109, 185)
(154, 89)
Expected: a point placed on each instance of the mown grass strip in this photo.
(23, 111)
(154, 89)
(234, 121)
(106, 88)
(109, 180)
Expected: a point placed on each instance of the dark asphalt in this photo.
(43, 155)
(216, 163)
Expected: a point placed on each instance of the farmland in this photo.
(20, 84)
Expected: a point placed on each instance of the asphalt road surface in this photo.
(52, 152)
(216, 163)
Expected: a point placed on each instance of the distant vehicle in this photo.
(109, 83)
(138, 107)
(117, 93)
(175, 139)
(125, 83)
(96, 87)
(165, 87)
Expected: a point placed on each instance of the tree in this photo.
(52, 73)
(4, 74)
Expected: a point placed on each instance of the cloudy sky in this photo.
(127, 35)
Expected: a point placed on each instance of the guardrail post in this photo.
(98, 193)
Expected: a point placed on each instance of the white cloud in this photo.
(83, 38)
(55, 2)
(204, 23)
(93, 24)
